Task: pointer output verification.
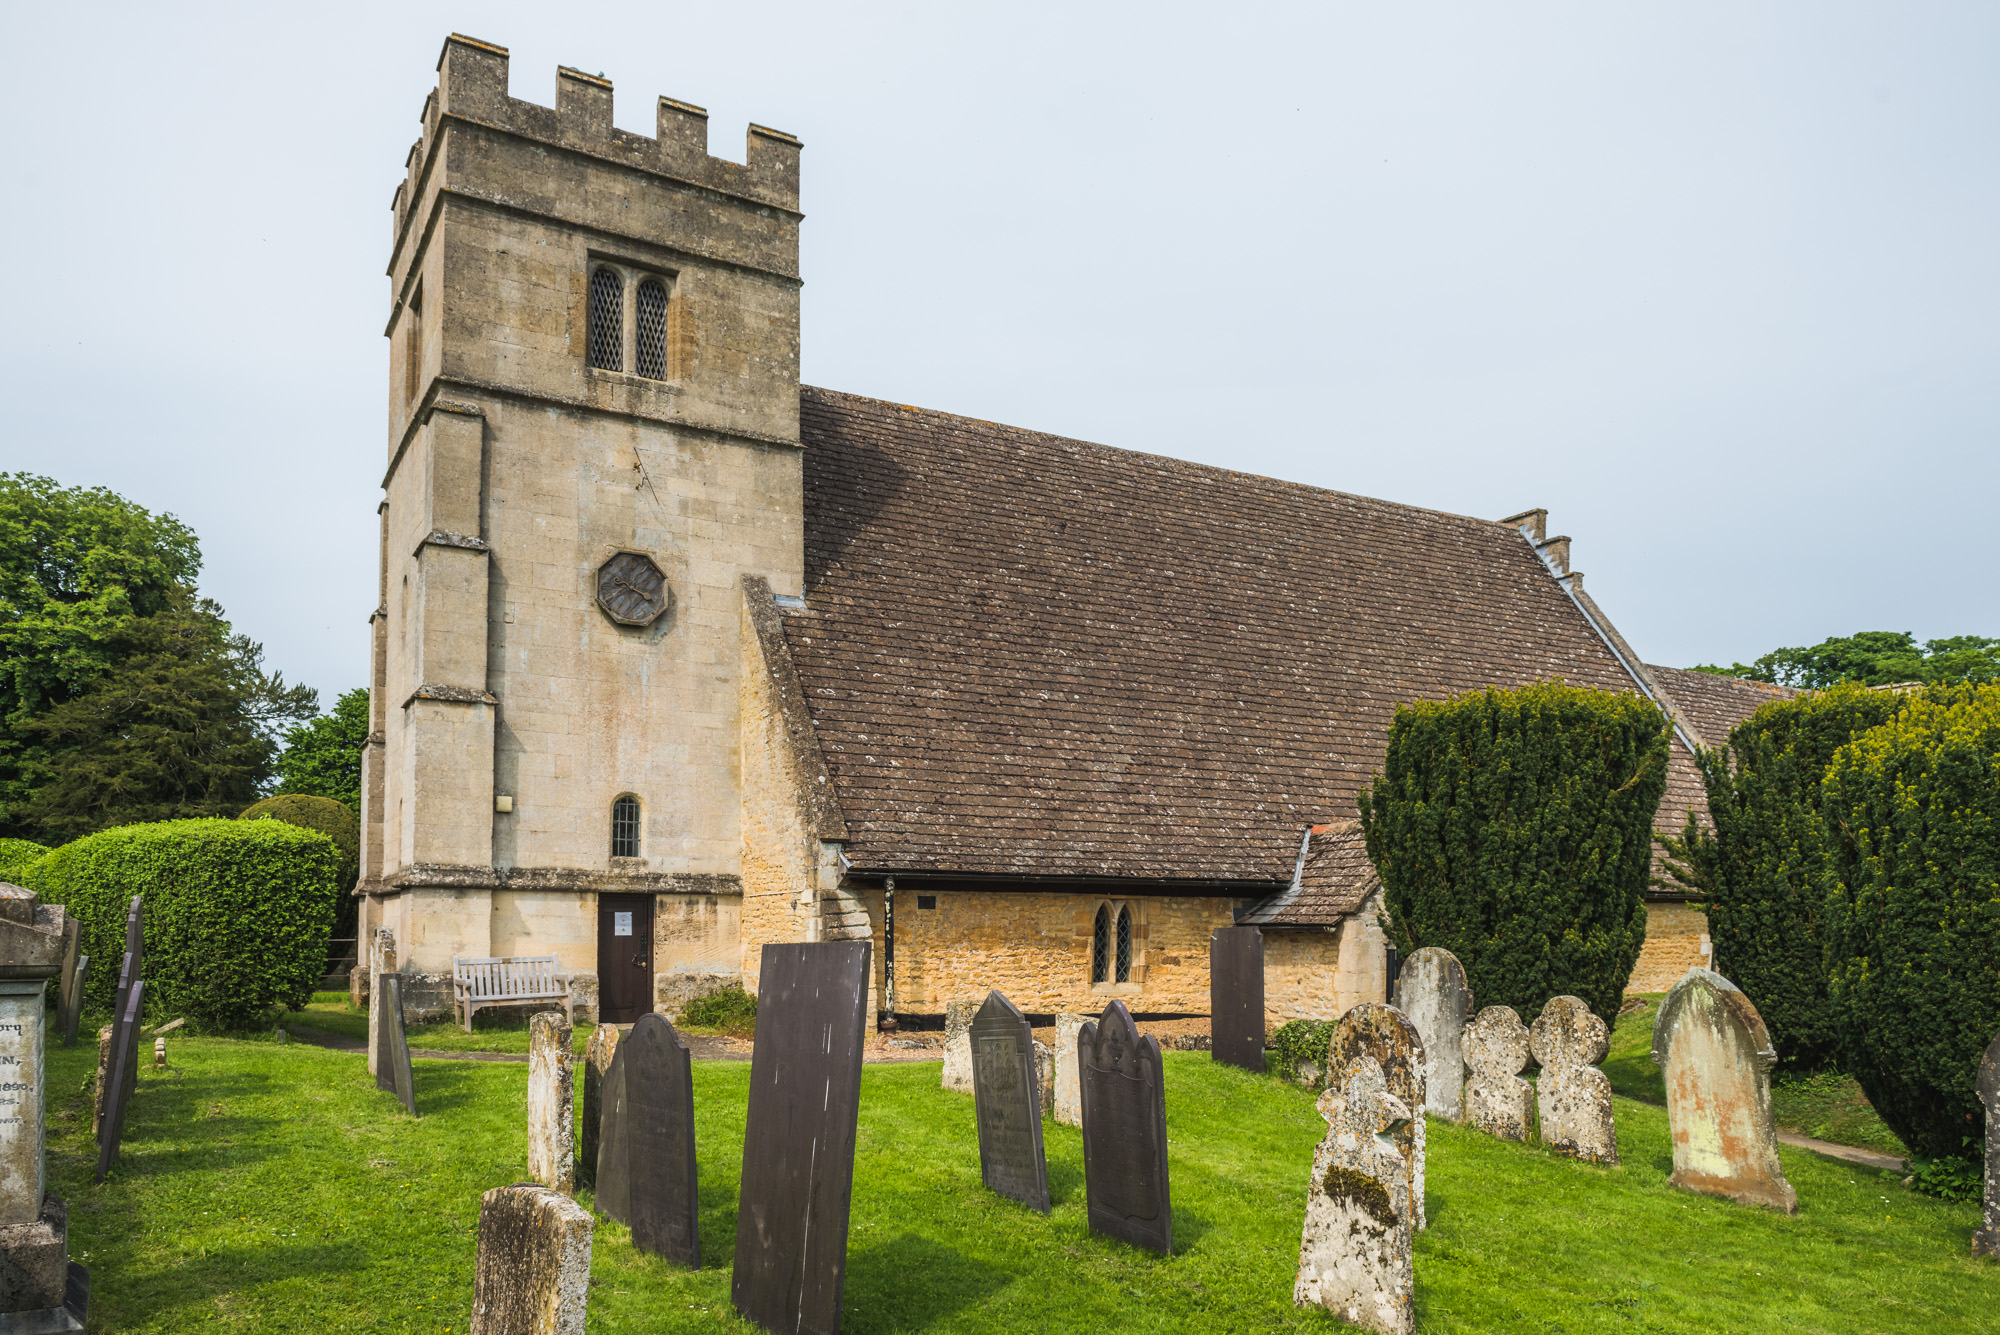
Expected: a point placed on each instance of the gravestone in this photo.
(102, 1086)
(124, 1067)
(74, 1012)
(1986, 1240)
(1007, 1104)
(381, 960)
(533, 1272)
(798, 1140)
(957, 1073)
(392, 1055)
(1496, 1099)
(1572, 1096)
(1045, 1077)
(69, 980)
(597, 1055)
(1711, 1045)
(1431, 990)
(1354, 1256)
(1236, 997)
(1067, 1093)
(645, 1165)
(40, 1290)
(551, 1101)
(1125, 1132)
(131, 969)
(1380, 1033)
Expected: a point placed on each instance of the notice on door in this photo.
(621, 924)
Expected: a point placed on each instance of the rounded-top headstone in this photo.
(1431, 990)
(1712, 1047)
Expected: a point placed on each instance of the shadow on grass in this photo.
(1065, 1182)
(218, 1277)
(880, 1295)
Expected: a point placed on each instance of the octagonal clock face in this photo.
(631, 589)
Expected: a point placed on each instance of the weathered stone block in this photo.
(1045, 1077)
(34, 1260)
(1384, 1035)
(1711, 1045)
(1496, 1099)
(1431, 990)
(551, 1102)
(958, 1045)
(1572, 1096)
(533, 1271)
(1066, 1092)
(1354, 1256)
(597, 1055)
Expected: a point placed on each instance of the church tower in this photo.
(593, 438)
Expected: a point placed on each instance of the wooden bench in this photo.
(506, 981)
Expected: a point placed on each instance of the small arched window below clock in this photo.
(625, 827)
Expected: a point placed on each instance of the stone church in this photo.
(674, 657)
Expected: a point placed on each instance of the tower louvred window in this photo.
(607, 321)
(653, 329)
(625, 828)
(1100, 945)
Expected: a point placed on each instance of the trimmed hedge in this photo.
(1913, 925)
(1764, 869)
(1514, 828)
(17, 855)
(236, 915)
(330, 817)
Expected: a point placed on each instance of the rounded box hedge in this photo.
(237, 913)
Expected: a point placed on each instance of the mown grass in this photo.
(1828, 1106)
(331, 1013)
(272, 1188)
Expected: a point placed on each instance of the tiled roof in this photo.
(1031, 656)
(1334, 876)
(1715, 704)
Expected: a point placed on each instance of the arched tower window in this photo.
(1124, 945)
(607, 320)
(1100, 946)
(625, 827)
(653, 329)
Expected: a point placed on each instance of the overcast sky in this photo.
(1715, 283)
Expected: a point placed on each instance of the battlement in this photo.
(472, 87)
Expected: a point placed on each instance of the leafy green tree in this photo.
(322, 756)
(1515, 829)
(1873, 658)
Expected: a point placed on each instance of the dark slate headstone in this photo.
(798, 1143)
(1008, 1104)
(392, 1046)
(1236, 997)
(122, 1073)
(69, 979)
(1125, 1131)
(75, 1011)
(645, 1156)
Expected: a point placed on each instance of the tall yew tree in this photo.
(1514, 828)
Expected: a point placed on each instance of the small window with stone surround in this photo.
(625, 827)
(607, 319)
(1111, 944)
(652, 329)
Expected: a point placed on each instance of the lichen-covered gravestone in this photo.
(551, 1101)
(1045, 1077)
(1432, 991)
(597, 1058)
(1497, 1100)
(1986, 1241)
(533, 1272)
(645, 1168)
(958, 1045)
(1712, 1047)
(1354, 1256)
(1125, 1132)
(1008, 1106)
(1573, 1096)
(1067, 1094)
(1384, 1035)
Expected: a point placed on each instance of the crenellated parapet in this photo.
(472, 88)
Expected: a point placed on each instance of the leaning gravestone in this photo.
(533, 1272)
(551, 1101)
(124, 1072)
(1067, 1092)
(597, 1056)
(74, 1011)
(1376, 1032)
(1573, 1097)
(1125, 1132)
(1007, 1104)
(392, 1051)
(1236, 997)
(1712, 1047)
(1986, 1241)
(381, 960)
(1496, 1099)
(645, 1167)
(69, 980)
(957, 1074)
(40, 1289)
(1354, 1257)
(798, 1140)
(1431, 990)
